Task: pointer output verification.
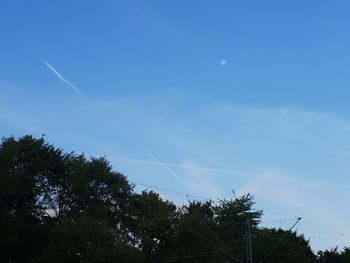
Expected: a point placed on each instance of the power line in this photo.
(194, 255)
(306, 219)
(169, 190)
(278, 221)
(279, 242)
(317, 231)
(264, 211)
(335, 231)
(212, 244)
(278, 213)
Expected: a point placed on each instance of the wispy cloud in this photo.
(273, 187)
(63, 79)
(293, 160)
(312, 200)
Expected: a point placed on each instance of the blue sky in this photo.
(143, 83)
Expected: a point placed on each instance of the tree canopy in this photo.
(64, 207)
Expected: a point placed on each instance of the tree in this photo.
(345, 255)
(329, 256)
(195, 227)
(24, 165)
(85, 187)
(40, 187)
(86, 240)
(232, 216)
(290, 248)
(64, 207)
(152, 225)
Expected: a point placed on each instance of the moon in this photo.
(223, 62)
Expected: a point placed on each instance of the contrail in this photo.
(58, 75)
(156, 162)
(166, 168)
(208, 169)
(77, 90)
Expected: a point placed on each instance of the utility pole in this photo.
(249, 242)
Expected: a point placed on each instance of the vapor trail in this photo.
(58, 75)
(156, 162)
(166, 168)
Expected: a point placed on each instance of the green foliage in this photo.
(291, 247)
(41, 188)
(329, 256)
(232, 217)
(234, 213)
(196, 218)
(334, 256)
(345, 255)
(24, 166)
(86, 240)
(151, 225)
(64, 207)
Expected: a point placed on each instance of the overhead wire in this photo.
(196, 197)
(309, 220)
(212, 244)
(170, 191)
(279, 242)
(191, 167)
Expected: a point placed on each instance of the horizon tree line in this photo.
(63, 207)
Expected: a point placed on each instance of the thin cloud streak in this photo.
(63, 79)
(155, 161)
(186, 166)
(166, 168)
(77, 90)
